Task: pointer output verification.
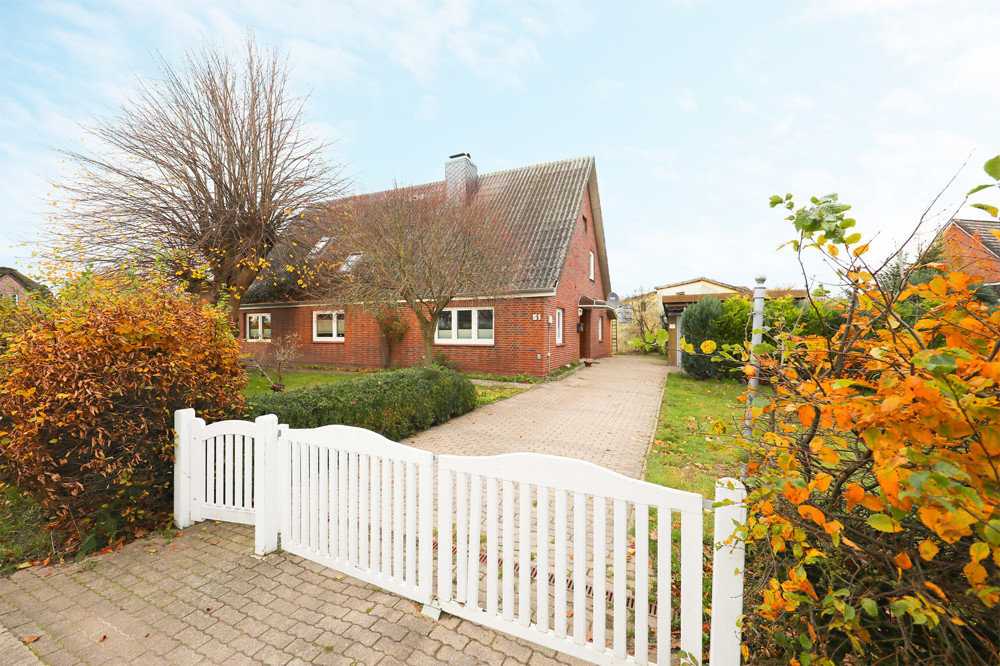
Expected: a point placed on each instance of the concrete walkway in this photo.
(203, 597)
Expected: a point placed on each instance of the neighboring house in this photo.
(15, 286)
(971, 247)
(557, 315)
(676, 297)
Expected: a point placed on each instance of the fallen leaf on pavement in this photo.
(101, 639)
(29, 639)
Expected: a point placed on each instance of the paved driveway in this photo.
(604, 414)
(205, 598)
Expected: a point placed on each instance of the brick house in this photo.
(556, 315)
(970, 247)
(15, 286)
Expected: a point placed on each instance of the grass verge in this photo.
(692, 448)
(486, 395)
(23, 537)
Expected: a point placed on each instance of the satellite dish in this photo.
(612, 300)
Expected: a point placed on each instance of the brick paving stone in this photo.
(449, 637)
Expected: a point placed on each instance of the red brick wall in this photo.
(523, 337)
(966, 253)
(575, 282)
(519, 338)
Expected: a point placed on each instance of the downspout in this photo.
(548, 347)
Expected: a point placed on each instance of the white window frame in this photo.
(336, 314)
(600, 329)
(560, 319)
(591, 264)
(260, 326)
(474, 340)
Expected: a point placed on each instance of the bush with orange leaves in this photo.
(88, 386)
(874, 471)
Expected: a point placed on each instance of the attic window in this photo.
(584, 222)
(320, 244)
(349, 263)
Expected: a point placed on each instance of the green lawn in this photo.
(688, 452)
(294, 379)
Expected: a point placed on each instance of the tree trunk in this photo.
(234, 312)
(427, 332)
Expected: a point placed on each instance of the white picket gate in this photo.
(358, 503)
(567, 558)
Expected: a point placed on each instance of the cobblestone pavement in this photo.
(203, 597)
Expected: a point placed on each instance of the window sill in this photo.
(256, 339)
(464, 343)
(341, 340)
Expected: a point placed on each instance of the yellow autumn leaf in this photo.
(708, 346)
(928, 549)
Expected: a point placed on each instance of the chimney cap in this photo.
(451, 157)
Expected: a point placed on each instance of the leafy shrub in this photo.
(88, 388)
(395, 403)
(874, 513)
(696, 328)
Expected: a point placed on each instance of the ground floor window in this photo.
(258, 326)
(465, 326)
(328, 326)
(560, 315)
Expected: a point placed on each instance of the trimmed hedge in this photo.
(394, 404)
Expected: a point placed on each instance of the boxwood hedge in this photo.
(394, 404)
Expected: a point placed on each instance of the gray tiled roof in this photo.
(983, 228)
(540, 203)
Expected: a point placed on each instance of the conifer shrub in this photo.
(696, 328)
(88, 388)
(394, 404)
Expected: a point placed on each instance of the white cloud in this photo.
(607, 89)
(686, 100)
(741, 105)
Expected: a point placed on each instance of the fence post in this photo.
(727, 574)
(267, 494)
(183, 418)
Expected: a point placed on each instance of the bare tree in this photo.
(200, 175)
(282, 352)
(646, 310)
(421, 247)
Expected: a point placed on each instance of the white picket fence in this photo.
(568, 561)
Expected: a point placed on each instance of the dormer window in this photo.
(349, 263)
(320, 244)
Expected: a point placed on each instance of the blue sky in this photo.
(696, 112)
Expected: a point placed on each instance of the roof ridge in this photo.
(540, 164)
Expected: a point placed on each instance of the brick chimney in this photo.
(460, 176)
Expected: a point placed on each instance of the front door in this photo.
(585, 334)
